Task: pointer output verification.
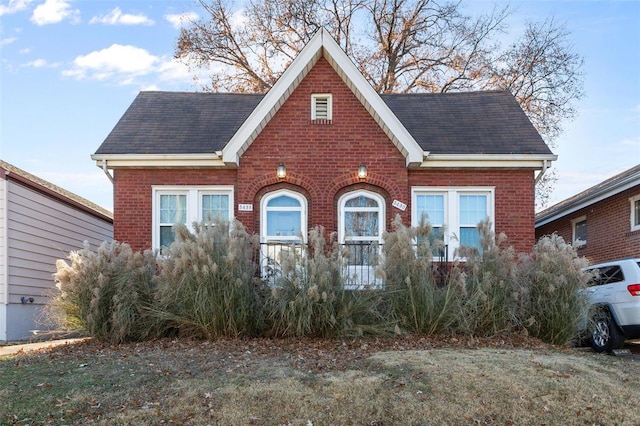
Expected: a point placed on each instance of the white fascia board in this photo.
(158, 160)
(322, 44)
(273, 100)
(536, 162)
(586, 201)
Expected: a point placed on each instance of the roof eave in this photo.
(529, 161)
(588, 199)
(157, 160)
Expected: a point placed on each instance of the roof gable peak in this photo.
(322, 45)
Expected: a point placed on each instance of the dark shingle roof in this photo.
(467, 123)
(179, 123)
(450, 123)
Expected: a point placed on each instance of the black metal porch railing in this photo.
(359, 261)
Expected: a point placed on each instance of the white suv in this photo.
(614, 298)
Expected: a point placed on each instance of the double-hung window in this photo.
(453, 213)
(186, 205)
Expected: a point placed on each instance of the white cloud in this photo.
(116, 17)
(173, 70)
(125, 62)
(41, 63)
(14, 6)
(8, 40)
(131, 65)
(54, 11)
(177, 20)
(38, 63)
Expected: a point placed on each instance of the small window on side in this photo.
(635, 213)
(579, 226)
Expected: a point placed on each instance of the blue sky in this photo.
(69, 69)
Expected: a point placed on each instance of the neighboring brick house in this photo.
(459, 158)
(602, 221)
(39, 224)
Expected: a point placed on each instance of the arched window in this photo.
(283, 228)
(284, 216)
(361, 222)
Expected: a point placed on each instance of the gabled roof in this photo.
(11, 172)
(179, 123)
(621, 182)
(472, 123)
(430, 130)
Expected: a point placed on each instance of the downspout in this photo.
(545, 166)
(106, 172)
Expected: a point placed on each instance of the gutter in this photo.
(545, 166)
(106, 171)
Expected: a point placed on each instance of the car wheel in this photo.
(605, 334)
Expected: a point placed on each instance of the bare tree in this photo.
(400, 46)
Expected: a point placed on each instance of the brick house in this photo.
(602, 221)
(323, 148)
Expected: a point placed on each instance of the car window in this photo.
(607, 275)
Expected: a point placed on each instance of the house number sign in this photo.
(245, 207)
(399, 205)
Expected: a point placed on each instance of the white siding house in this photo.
(39, 223)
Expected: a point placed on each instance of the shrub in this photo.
(309, 298)
(206, 285)
(552, 307)
(486, 282)
(415, 299)
(106, 292)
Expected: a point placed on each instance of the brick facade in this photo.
(609, 235)
(322, 160)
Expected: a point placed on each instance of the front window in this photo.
(473, 210)
(173, 210)
(453, 213)
(284, 216)
(186, 205)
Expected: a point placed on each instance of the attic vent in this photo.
(321, 108)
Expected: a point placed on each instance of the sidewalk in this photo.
(12, 349)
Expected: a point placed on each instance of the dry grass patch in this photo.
(407, 380)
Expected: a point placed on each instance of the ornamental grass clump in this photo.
(550, 279)
(309, 299)
(415, 299)
(206, 286)
(486, 282)
(107, 292)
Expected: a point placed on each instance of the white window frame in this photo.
(194, 204)
(451, 225)
(264, 210)
(342, 210)
(353, 271)
(577, 242)
(632, 215)
(314, 99)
